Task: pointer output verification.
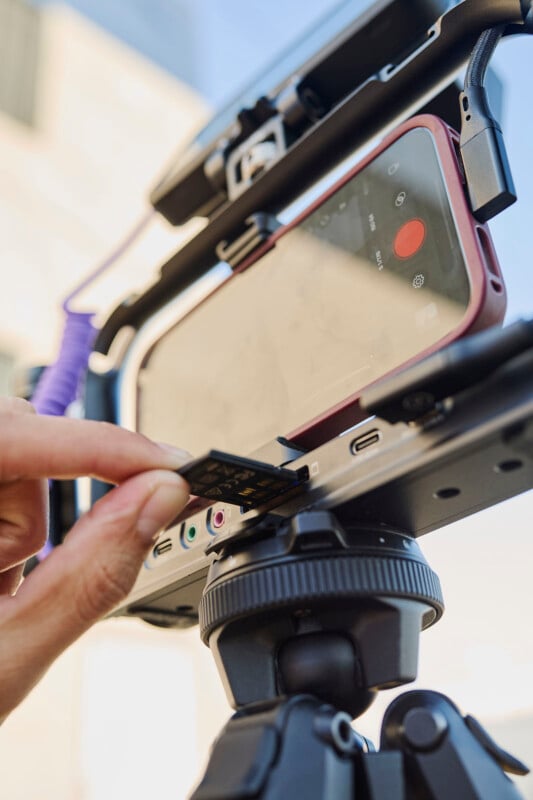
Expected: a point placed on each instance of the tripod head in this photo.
(308, 619)
(312, 606)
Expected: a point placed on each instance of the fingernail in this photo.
(163, 506)
(178, 457)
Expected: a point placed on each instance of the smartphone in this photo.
(384, 268)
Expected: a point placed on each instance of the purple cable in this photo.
(60, 383)
(117, 253)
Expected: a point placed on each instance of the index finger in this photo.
(34, 446)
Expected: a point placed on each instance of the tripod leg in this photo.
(289, 750)
(384, 775)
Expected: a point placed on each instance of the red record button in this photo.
(409, 238)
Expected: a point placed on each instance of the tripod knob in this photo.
(424, 728)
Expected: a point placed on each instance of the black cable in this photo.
(481, 55)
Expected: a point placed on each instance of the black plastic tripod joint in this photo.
(444, 754)
(295, 748)
(304, 748)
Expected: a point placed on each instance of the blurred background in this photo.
(95, 98)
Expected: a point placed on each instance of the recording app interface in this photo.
(372, 277)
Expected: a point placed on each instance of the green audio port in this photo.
(190, 534)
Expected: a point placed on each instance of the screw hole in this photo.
(447, 493)
(509, 466)
(313, 104)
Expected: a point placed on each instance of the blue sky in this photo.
(215, 46)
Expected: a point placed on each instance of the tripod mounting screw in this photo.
(424, 728)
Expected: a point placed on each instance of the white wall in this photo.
(108, 123)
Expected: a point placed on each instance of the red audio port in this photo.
(409, 238)
(219, 517)
(216, 519)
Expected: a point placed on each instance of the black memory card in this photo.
(222, 477)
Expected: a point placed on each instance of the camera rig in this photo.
(313, 600)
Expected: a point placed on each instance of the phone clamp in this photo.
(259, 227)
(255, 155)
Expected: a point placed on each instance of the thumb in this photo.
(83, 579)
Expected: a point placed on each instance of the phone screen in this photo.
(370, 278)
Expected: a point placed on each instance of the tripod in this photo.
(308, 620)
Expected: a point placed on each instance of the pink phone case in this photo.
(487, 300)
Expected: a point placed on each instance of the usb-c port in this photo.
(162, 547)
(365, 440)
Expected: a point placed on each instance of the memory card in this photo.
(223, 477)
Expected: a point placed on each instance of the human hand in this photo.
(96, 566)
